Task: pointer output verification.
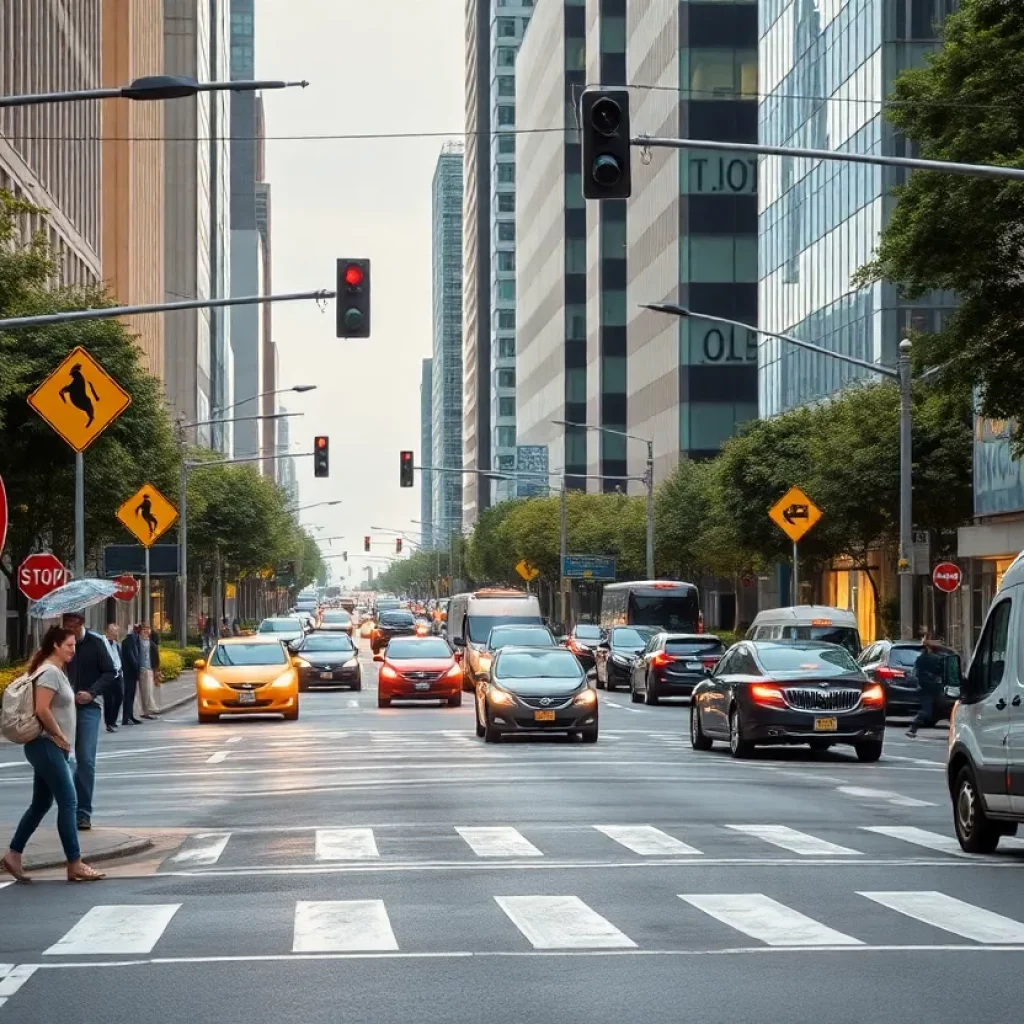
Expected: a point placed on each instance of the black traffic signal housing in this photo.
(405, 470)
(398, 545)
(604, 127)
(366, 543)
(344, 556)
(353, 302)
(321, 456)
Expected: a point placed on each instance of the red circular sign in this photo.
(127, 588)
(947, 577)
(40, 574)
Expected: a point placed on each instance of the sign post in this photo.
(148, 515)
(796, 515)
(79, 400)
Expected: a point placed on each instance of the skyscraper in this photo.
(426, 446)
(447, 362)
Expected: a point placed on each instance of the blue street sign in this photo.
(589, 567)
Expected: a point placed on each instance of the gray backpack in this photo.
(18, 721)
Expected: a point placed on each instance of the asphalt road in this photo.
(387, 866)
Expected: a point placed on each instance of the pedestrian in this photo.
(91, 672)
(114, 696)
(149, 670)
(55, 707)
(929, 669)
(130, 671)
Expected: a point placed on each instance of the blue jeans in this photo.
(87, 735)
(52, 781)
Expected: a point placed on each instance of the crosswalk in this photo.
(339, 846)
(539, 921)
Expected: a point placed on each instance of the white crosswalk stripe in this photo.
(12, 977)
(562, 922)
(342, 926)
(120, 929)
(202, 850)
(334, 844)
(795, 841)
(647, 840)
(952, 915)
(501, 841)
(917, 836)
(3, 885)
(763, 918)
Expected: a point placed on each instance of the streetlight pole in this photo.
(298, 389)
(563, 551)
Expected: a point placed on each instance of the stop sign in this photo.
(947, 577)
(127, 588)
(40, 574)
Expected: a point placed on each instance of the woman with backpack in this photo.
(54, 707)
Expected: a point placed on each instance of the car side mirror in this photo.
(199, 664)
(952, 692)
(458, 641)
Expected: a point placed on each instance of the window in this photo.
(507, 291)
(575, 55)
(506, 174)
(506, 261)
(613, 308)
(506, 144)
(506, 348)
(575, 255)
(506, 114)
(507, 30)
(613, 374)
(507, 319)
(722, 259)
(505, 437)
(576, 384)
(507, 231)
(506, 406)
(613, 34)
(613, 239)
(506, 57)
(990, 660)
(507, 202)
(506, 86)
(507, 379)
(505, 462)
(722, 73)
(576, 323)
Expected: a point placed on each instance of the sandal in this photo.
(19, 876)
(86, 874)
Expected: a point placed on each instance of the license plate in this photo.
(543, 716)
(695, 666)
(326, 675)
(422, 686)
(826, 724)
(247, 697)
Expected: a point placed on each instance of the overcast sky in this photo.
(385, 66)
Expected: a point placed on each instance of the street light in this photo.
(648, 479)
(901, 374)
(298, 389)
(317, 504)
(147, 88)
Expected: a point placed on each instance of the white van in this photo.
(808, 622)
(985, 765)
(471, 617)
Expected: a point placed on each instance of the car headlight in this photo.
(207, 682)
(302, 663)
(284, 680)
(351, 663)
(500, 696)
(585, 698)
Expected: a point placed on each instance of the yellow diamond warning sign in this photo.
(148, 515)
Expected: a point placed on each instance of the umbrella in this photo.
(73, 597)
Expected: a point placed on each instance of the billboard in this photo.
(532, 458)
(998, 481)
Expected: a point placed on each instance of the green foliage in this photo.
(171, 665)
(958, 233)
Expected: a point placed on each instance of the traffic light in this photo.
(344, 556)
(398, 545)
(321, 456)
(353, 302)
(604, 117)
(405, 470)
(366, 543)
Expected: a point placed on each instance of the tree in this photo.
(966, 234)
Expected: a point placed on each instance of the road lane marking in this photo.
(500, 841)
(887, 795)
(202, 850)
(647, 840)
(795, 841)
(763, 918)
(562, 922)
(952, 915)
(234, 739)
(116, 929)
(917, 836)
(13, 977)
(3, 885)
(218, 756)
(345, 844)
(338, 926)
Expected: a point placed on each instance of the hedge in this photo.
(170, 665)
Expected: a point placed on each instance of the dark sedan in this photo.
(327, 659)
(536, 690)
(583, 643)
(672, 664)
(398, 622)
(893, 664)
(770, 693)
(616, 654)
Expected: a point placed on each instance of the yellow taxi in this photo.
(247, 675)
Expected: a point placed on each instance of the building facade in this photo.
(427, 478)
(446, 255)
(551, 337)
(269, 355)
(133, 170)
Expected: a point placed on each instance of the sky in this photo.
(374, 66)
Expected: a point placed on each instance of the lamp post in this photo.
(298, 389)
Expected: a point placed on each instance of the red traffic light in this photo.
(321, 442)
(354, 275)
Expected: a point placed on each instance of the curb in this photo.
(175, 704)
(128, 848)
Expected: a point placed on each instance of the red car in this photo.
(419, 668)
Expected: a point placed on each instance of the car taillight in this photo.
(421, 630)
(768, 696)
(387, 672)
(661, 659)
(574, 646)
(710, 663)
(884, 672)
(455, 672)
(873, 696)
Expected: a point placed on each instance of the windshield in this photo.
(845, 636)
(553, 664)
(396, 619)
(694, 647)
(327, 643)
(904, 657)
(280, 626)
(630, 637)
(339, 617)
(478, 627)
(429, 648)
(672, 610)
(526, 636)
(796, 660)
(248, 654)
(587, 632)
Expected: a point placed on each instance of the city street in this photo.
(388, 865)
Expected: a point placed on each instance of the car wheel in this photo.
(634, 696)
(291, 716)
(698, 740)
(455, 701)
(589, 735)
(358, 686)
(383, 702)
(650, 697)
(975, 831)
(491, 735)
(479, 728)
(869, 751)
(208, 719)
(738, 746)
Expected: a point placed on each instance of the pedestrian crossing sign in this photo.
(148, 515)
(79, 399)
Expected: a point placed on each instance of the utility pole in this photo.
(563, 551)
(905, 567)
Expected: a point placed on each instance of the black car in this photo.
(892, 663)
(533, 689)
(583, 641)
(672, 664)
(804, 691)
(615, 655)
(328, 659)
(398, 622)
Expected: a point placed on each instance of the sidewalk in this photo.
(98, 844)
(178, 692)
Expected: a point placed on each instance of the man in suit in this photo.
(115, 692)
(130, 670)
